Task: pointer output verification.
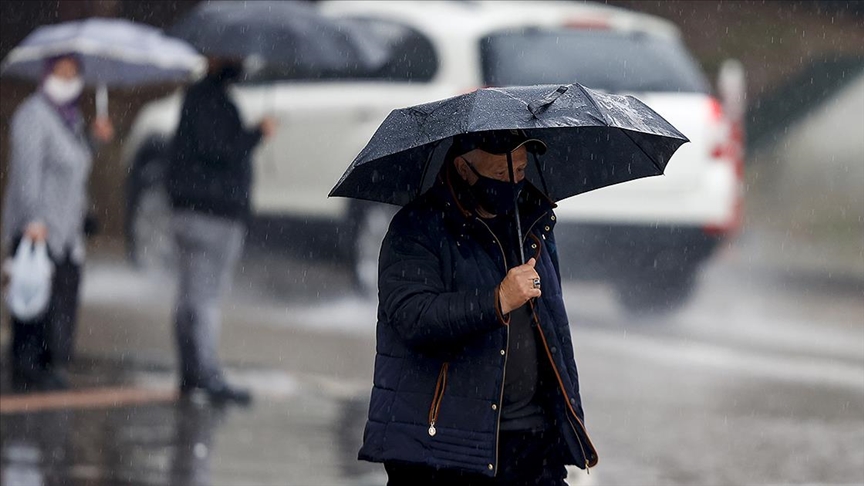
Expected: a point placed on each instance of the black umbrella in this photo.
(594, 140)
(292, 34)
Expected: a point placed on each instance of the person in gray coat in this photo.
(209, 181)
(46, 200)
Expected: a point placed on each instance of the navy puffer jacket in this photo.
(442, 341)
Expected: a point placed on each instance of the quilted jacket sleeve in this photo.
(414, 297)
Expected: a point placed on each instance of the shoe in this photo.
(216, 392)
(223, 392)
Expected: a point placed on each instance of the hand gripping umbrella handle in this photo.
(542, 104)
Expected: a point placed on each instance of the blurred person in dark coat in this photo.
(209, 182)
(475, 381)
(46, 200)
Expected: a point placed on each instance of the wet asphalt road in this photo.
(758, 380)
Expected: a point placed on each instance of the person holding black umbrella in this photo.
(208, 180)
(475, 379)
(464, 321)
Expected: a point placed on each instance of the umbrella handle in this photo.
(102, 101)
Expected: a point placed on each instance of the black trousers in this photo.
(42, 344)
(524, 458)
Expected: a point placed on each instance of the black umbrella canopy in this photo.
(288, 33)
(594, 140)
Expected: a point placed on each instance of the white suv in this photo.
(651, 233)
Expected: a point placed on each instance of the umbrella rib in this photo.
(596, 107)
(426, 166)
(593, 103)
(540, 172)
(509, 95)
(626, 132)
(471, 113)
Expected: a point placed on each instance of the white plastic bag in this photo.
(30, 272)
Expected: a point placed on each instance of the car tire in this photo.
(150, 237)
(371, 224)
(656, 293)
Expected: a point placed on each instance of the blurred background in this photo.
(717, 312)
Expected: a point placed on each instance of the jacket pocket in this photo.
(435, 407)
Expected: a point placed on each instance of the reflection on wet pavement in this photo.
(754, 382)
(294, 434)
(192, 445)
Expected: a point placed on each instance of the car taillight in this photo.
(719, 140)
(715, 109)
(727, 146)
(728, 142)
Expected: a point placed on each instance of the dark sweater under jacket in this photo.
(521, 409)
(209, 169)
(442, 342)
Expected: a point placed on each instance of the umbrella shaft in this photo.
(102, 101)
(516, 209)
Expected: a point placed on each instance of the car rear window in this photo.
(599, 59)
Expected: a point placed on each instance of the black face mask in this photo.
(494, 195)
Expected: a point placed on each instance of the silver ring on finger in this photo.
(536, 282)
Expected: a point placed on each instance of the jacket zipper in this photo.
(555, 368)
(506, 355)
(440, 385)
(558, 376)
(501, 401)
(581, 447)
(507, 345)
(566, 397)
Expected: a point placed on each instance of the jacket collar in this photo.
(460, 209)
